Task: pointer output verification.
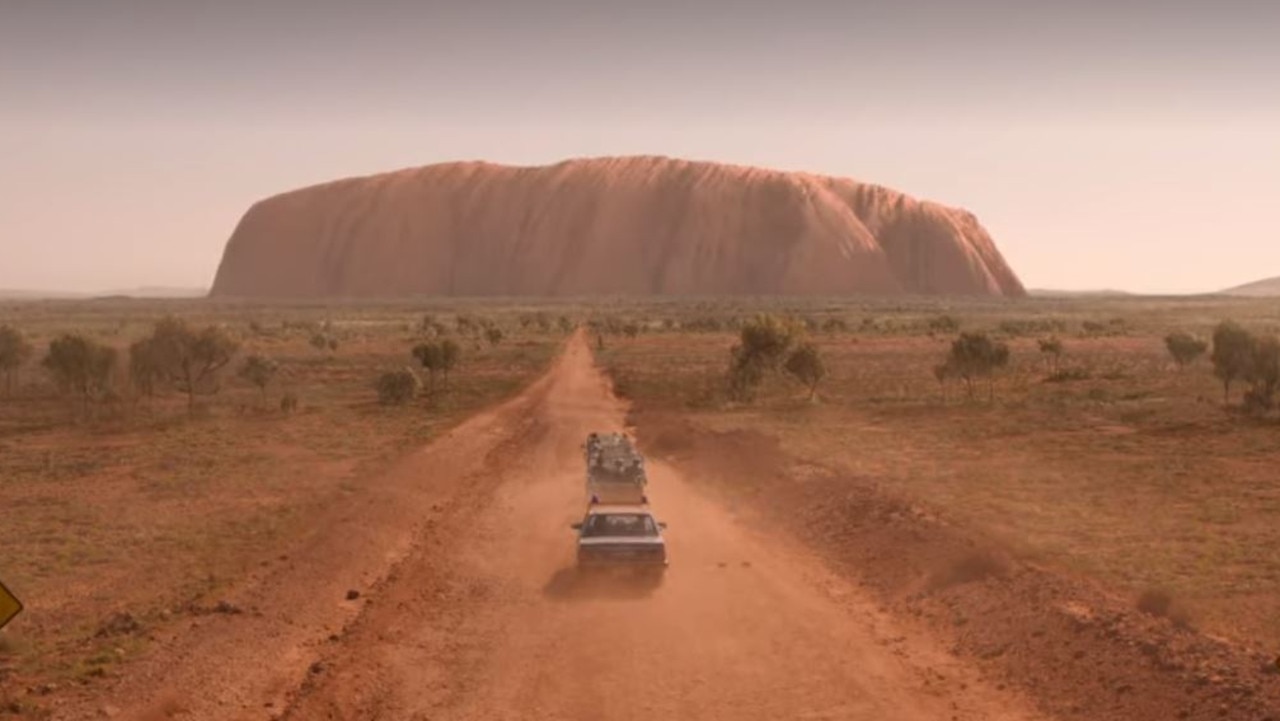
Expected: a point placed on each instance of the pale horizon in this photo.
(1103, 149)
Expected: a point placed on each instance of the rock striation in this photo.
(640, 225)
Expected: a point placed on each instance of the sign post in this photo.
(10, 606)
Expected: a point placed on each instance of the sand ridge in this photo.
(639, 225)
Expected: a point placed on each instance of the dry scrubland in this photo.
(129, 512)
(1121, 467)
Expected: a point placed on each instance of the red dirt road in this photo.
(470, 609)
(485, 619)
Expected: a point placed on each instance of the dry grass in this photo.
(1132, 472)
(143, 509)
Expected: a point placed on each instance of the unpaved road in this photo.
(478, 615)
(491, 623)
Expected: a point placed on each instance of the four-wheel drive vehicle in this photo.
(615, 470)
(621, 535)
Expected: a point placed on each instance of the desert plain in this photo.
(1088, 533)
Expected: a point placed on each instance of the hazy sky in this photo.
(1104, 144)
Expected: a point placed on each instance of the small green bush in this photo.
(396, 387)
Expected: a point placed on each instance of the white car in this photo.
(621, 535)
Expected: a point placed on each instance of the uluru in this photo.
(640, 225)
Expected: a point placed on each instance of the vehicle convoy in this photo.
(615, 469)
(618, 528)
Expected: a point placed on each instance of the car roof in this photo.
(607, 508)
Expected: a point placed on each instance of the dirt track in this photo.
(472, 611)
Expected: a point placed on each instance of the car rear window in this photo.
(619, 524)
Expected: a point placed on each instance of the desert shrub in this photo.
(466, 324)
(1254, 403)
(763, 344)
(289, 402)
(1065, 375)
(942, 373)
(1184, 347)
(430, 357)
(805, 365)
(1111, 327)
(943, 324)
(146, 366)
(1262, 373)
(973, 356)
(187, 358)
(543, 321)
(450, 356)
(15, 351)
(1241, 355)
(768, 338)
(1093, 328)
(81, 365)
(1019, 327)
(620, 326)
(493, 334)
(746, 373)
(565, 324)
(439, 357)
(704, 324)
(322, 337)
(299, 325)
(259, 371)
(1051, 349)
(835, 325)
(396, 387)
(1231, 357)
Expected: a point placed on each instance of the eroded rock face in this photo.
(634, 225)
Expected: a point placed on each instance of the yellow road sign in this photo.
(10, 606)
